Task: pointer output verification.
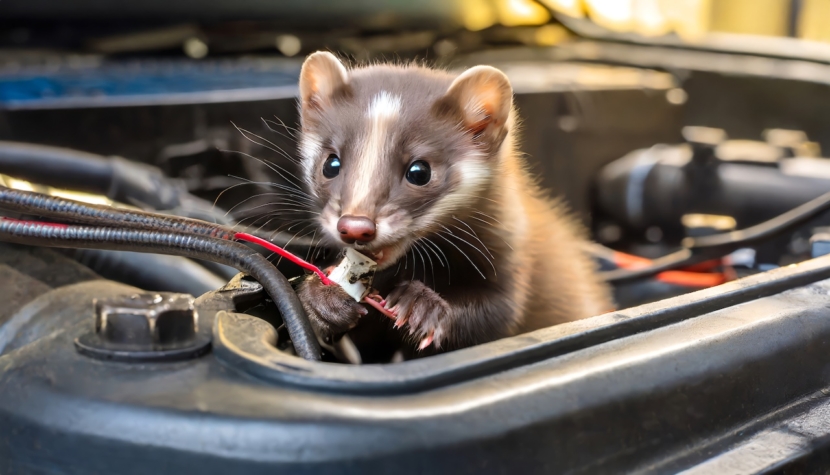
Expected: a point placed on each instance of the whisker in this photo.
(308, 253)
(268, 123)
(429, 202)
(473, 235)
(431, 245)
(292, 238)
(417, 246)
(293, 191)
(272, 166)
(481, 221)
(290, 223)
(276, 149)
(297, 193)
(492, 230)
(259, 195)
(281, 199)
(298, 210)
(255, 218)
(414, 264)
(464, 254)
(487, 216)
(474, 247)
(291, 130)
(398, 269)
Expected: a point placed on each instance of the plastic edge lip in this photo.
(235, 340)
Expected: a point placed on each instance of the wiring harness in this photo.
(138, 231)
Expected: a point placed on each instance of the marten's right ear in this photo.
(483, 97)
(322, 75)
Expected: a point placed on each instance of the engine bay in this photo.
(699, 171)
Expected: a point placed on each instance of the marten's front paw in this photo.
(330, 309)
(423, 310)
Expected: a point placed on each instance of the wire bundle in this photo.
(138, 231)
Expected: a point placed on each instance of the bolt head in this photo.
(149, 319)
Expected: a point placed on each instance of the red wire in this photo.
(692, 276)
(262, 242)
(380, 308)
(291, 257)
(305, 265)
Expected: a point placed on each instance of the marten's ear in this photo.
(484, 97)
(321, 77)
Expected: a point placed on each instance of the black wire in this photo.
(700, 249)
(74, 211)
(766, 230)
(229, 253)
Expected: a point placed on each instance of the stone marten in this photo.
(419, 169)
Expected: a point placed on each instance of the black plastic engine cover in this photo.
(726, 377)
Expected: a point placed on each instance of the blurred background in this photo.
(657, 120)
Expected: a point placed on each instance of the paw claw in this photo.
(380, 308)
(427, 341)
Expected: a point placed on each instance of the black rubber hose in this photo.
(74, 211)
(155, 272)
(56, 166)
(229, 253)
(119, 179)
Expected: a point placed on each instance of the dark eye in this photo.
(332, 166)
(418, 173)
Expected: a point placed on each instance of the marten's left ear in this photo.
(484, 97)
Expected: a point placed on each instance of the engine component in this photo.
(145, 327)
(152, 271)
(686, 383)
(190, 245)
(748, 181)
(117, 178)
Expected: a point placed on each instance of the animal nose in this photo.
(356, 228)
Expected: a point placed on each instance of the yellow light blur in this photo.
(521, 12)
(19, 184)
(82, 197)
(650, 18)
(549, 35)
(572, 8)
(690, 19)
(478, 14)
(616, 15)
(753, 17)
(813, 21)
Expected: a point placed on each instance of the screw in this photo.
(146, 319)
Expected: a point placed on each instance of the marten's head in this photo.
(391, 152)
